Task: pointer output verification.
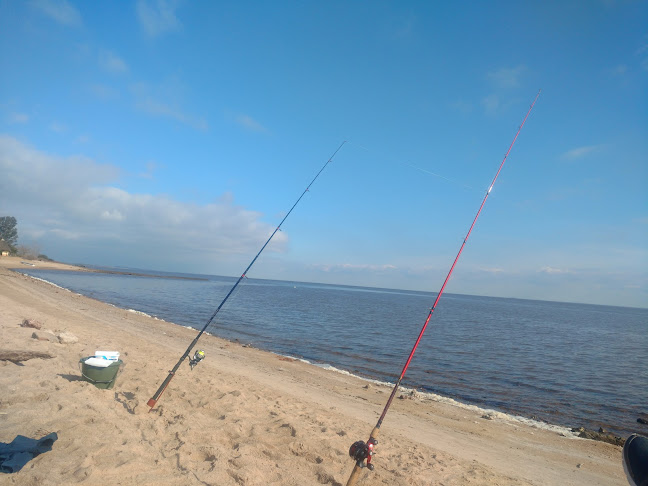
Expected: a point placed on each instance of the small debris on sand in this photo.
(43, 335)
(34, 324)
(18, 356)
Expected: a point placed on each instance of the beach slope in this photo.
(243, 416)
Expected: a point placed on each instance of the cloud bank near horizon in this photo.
(74, 209)
(74, 203)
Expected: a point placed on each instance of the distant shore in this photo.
(243, 416)
(137, 274)
(20, 263)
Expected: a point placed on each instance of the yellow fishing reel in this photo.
(198, 356)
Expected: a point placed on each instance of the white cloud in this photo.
(58, 127)
(506, 77)
(158, 17)
(15, 118)
(113, 215)
(492, 270)
(352, 267)
(580, 152)
(157, 108)
(111, 62)
(620, 70)
(250, 123)
(63, 234)
(74, 199)
(642, 52)
(59, 10)
(404, 27)
(147, 102)
(151, 167)
(491, 104)
(462, 106)
(104, 92)
(553, 270)
(502, 79)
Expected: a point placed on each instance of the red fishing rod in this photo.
(199, 354)
(361, 451)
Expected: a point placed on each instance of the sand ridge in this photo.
(243, 416)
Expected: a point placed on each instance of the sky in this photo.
(175, 136)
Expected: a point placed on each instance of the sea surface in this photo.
(565, 364)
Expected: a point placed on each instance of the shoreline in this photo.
(420, 394)
(404, 390)
(244, 413)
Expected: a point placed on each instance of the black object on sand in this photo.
(635, 460)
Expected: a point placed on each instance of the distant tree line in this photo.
(9, 234)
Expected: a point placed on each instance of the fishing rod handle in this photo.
(357, 469)
(355, 474)
(153, 400)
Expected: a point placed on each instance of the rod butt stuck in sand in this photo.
(363, 452)
(154, 399)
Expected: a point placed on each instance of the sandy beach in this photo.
(243, 416)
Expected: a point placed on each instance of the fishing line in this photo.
(361, 451)
(153, 400)
(218, 320)
(413, 166)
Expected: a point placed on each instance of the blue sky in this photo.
(175, 135)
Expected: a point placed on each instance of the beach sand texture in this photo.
(243, 416)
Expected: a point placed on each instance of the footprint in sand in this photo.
(300, 449)
(325, 478)
(128, 400)
(82, 473)
(288, 428)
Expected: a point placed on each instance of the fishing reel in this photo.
(360, 451)
(197, 358)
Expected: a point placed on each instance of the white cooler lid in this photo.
(98, 362)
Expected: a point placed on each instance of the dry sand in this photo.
(243, 416)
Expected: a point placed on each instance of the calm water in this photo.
(566, 364)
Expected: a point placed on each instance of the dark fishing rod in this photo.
(151, 403)
(361, 451)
